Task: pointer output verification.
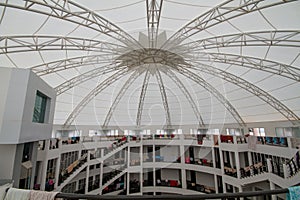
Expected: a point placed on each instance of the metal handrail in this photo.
(182, 197)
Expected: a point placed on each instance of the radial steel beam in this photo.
(273, 67)
(164, 97)
(225, 11)
(120, 95)
(70, 63)
(186, 93)
(153, 16)
(196, 78)
(25, 43)
(285, 38)
(72, 12)
(99, 88)
(253, 89)
(142, 99)
(81, 78)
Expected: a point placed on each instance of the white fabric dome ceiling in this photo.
(202, 62)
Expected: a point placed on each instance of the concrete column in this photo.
(224, 187)
(127, 183)
(153, 153)
(250, 158)
(128, 157)
(128, 174)
(87, 173)
(33, 160)
(272, 187)
(231, 159)
(101, 176)
(181, 153)
(234, 140)
(285, 172)
(182, 163)
(153, 160)
(219, 140)
(289, 142)
(255, 197)
(240, 188)
(77, 185)
(183, 178)
(44, 165)
(39, 173)
(216, 183)
(237, 162)
(269, 164)
(17, 165)
(57, 171)
(221, 161)
(213, 157)
(59, 143)
(141, 166)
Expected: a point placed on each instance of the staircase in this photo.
(282, 182)
(115, 150)
(71, 176)
(117, 174)
(109, 154)
(83, 163)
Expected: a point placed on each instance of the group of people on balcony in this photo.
(168, 183)
(198, 161)
(71, 140)
(200, 188)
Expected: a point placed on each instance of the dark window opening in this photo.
(39, 108)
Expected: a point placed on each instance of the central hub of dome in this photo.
(150, 56)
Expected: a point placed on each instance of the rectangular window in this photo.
(39, 108)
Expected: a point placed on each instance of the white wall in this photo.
(7, 155)
(18, 93)
(4, 80)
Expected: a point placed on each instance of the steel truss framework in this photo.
(242, 83)
(196, 78)
(25, 43)
(121, 93)
(81, 78)
(219, 14)
(77, 14)
(173, 54)
(153, 16)
(100, 87)
(142, 98)
(285, 38)
(164, 97)
(70, 63)
(186, 93)
(273, 67)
